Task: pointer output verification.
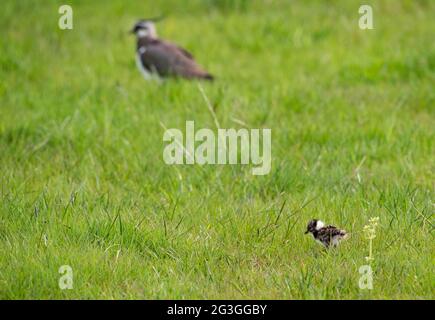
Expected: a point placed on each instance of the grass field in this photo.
(83, 182)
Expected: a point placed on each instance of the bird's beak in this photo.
(306, 232)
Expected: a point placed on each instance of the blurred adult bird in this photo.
(163, 58)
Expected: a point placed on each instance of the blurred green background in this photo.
(83, 182)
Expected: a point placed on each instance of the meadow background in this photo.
(83, 182)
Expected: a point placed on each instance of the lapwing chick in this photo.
(158, 57)
(326, 235)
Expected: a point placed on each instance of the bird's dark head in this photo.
(314, 225)
(146, 27)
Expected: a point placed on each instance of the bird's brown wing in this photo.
(185, 52)
(169, 60)
(327, 233)
(334, 231)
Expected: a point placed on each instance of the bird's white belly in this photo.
(336, 240)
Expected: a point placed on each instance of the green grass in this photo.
(83, 182)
